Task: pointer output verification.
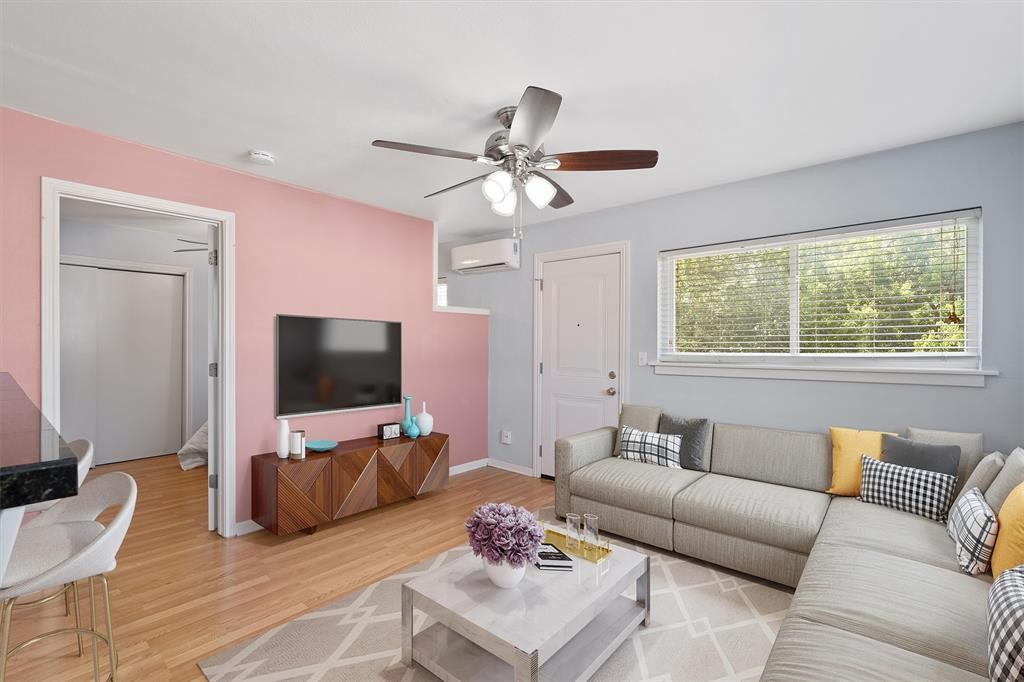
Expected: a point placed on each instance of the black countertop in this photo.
(36, 464)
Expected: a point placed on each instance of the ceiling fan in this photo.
(517, 152)
(204, 247)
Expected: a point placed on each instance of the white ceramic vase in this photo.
(282, 438)
(503, 575)
(425, 421)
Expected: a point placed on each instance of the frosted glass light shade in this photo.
(496, 186)
(539, 190)
(506, 207)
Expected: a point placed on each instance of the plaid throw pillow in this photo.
(651, 448)
(921, 492)
(1006, 626)
(973, 527)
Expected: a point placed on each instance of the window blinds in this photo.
(906, 288)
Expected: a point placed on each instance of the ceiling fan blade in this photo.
(534, 117)
(562, 198)
(461, 184)
(420, 149)
(608, 159)
(191, 241)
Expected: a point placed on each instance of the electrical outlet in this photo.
(641, 358)
(506, 437)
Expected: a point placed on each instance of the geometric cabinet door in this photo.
(304, 494)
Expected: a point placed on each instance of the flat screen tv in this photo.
(329, 364)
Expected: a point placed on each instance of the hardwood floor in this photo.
(180, 593)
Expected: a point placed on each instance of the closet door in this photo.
(139, 363)
(78, 287)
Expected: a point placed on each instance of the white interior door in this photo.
(132, 349)
(213, 382)
(580, 339)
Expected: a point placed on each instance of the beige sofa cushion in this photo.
(852, 523)
(805, 650)
(640, 417)
(771, 514)
(924, 609)
(646, 488)
(791, 458)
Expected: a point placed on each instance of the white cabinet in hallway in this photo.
(122, 360)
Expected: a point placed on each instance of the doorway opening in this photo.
(580, 344)
(137, 323)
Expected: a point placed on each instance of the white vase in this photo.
(425, 421)
(282, 438)
(503, 575)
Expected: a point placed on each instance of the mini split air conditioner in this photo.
(500, 254)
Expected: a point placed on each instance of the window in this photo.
(442, 292)
(904, 290)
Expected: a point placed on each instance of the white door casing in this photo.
(223, 449)
(213, 396)
(580, 344)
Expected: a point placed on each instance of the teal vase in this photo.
(407, 421)
(414, 429)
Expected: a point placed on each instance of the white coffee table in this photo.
(552, 626)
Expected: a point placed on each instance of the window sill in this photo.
(927, 376)
(461, 310)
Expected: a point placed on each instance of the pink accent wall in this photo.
(297, 251)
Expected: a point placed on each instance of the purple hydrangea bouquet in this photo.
(507, 538)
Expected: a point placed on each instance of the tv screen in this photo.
(327, 364)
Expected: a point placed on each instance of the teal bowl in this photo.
(321, 445)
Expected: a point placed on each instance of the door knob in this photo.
(611, 391)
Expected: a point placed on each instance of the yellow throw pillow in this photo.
(847, 447)
(1009, 551)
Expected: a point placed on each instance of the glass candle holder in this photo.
(591, 536)
(572, 531)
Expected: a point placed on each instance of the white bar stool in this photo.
(65, 544)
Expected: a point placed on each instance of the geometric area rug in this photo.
(707, 623)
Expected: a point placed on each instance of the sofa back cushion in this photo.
(793, 458)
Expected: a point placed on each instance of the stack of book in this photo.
(550, 558)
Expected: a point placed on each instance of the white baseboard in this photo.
(468, 466)
(506, 466)
(246, 527)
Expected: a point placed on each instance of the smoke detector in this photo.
(261, 158)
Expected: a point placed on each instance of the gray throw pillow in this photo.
(944, 459)
(983, 475)
(970, 448)
(694, 441)
(1009, 478)
(640, 417)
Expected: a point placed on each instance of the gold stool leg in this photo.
(78, 616)
(67, 601)
(92, 622)
(6, 612)
(110, 628)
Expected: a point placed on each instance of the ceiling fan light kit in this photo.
(518, 153)
(507, 206)
(496, 186)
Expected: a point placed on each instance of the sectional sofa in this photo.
(879, 594)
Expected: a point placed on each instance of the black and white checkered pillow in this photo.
(973, 527)
(1006, 626)
(651, 448)
(918, 491)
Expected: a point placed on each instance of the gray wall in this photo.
(148, 246)
(984, 169)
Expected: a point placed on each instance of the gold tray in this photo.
(585, 551)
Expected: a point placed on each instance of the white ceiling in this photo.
(725, 91)
(81, 211)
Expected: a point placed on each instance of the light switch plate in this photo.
(506, 437)
(641, 358)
